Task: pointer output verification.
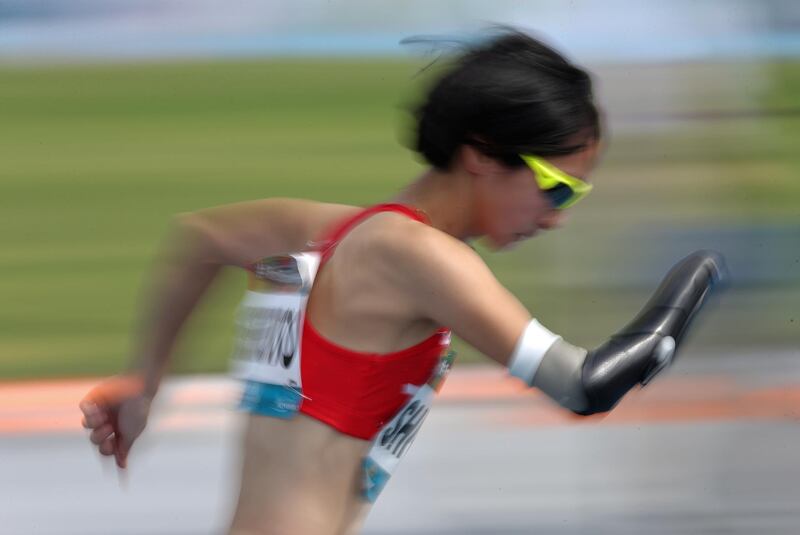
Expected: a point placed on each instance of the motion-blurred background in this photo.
(117, 114)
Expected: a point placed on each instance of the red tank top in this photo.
(357, 392)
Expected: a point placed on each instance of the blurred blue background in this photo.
(616, 30)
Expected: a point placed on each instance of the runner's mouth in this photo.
(519, 236)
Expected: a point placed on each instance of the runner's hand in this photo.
(116, 413)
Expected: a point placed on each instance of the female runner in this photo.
(334, 381)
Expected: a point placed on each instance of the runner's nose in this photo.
(553, 219)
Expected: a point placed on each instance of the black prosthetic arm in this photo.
(647, 344)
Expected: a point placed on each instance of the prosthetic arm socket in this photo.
(588, 382)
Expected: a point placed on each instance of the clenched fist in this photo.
(116, 413)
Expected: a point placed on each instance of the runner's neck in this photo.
(445, 198)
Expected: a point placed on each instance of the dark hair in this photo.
(511, 94)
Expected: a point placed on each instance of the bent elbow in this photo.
(191, 234)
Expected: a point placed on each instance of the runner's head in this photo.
(519, 118)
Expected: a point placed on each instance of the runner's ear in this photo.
(477, 163)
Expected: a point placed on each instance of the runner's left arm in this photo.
(452, 285)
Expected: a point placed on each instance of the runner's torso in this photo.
(369, 315)
(304, 458)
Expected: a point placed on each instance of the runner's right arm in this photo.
(198, 246)
(452, 286)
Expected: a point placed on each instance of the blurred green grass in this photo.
(95, 160)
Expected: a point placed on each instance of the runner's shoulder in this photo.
(316, 215)
(312, 219)
(411, 249)
(239, 232)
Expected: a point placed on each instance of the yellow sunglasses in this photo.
(562, 189)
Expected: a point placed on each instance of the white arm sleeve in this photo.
(531, 347)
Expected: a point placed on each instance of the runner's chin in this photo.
(509, 243)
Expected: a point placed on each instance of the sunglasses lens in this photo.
(559, 195)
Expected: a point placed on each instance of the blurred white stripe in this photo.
(616, 29)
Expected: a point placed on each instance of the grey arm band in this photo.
(559, 376)
(546, 361)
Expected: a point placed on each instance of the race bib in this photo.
(269, 329)
(394, 438)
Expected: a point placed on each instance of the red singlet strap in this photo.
(328, 244)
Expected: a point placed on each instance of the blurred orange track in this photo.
(206, 401)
